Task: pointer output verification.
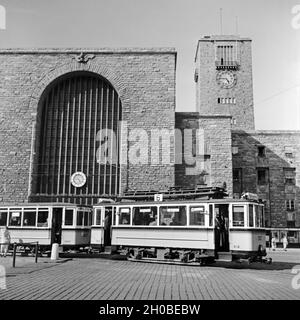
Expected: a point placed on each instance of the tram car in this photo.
(190, 230)
(69, 225)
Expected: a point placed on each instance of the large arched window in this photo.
(79, 113)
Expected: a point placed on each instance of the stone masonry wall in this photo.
(212, 156)
(143, 78)
(275, 192)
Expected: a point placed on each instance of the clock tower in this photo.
(223, 76)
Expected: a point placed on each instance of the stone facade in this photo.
(215, 146)
(143, 78)
(206, 159)
(277, 152)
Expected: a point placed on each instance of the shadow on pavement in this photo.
(275, 265)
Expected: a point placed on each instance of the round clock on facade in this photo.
(78, 179)
(226, 79)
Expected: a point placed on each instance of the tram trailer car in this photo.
(69, 225)
(184, 230)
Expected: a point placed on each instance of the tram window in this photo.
(92, 217)
(80, 218)
(124, 216)
(256, 216)
(43, 218)
(238, 216)
(259, 217)
(114, 216)
(98, 217)
(292, 234)
(250, 216)
(211, 215)
(172, 216)
(15, 218)
(29, 218)
(144, 216)
(69, 214)
(86, 218)
(197, 216)
(3, 218)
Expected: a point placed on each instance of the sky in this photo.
(273, 25)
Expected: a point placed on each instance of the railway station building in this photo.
(77, 124)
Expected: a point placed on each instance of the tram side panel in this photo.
(42, 236)
(75, 237)
(247, 241)
(183, 238)
(97, 236)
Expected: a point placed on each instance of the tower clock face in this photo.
(226, 79)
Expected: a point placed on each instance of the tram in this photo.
(186, 229)
(46, 223)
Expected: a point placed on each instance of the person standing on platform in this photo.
(273, 241)
(284, 242)
(5, 241)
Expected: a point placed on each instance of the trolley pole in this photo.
(14, 255)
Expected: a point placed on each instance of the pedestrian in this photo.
(5, 241)
(284, 242)
(273, 243)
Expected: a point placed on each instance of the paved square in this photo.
(87, 279)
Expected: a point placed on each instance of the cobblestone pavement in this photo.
(87, 279)
(279, 255)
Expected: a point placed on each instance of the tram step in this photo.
(224, 256)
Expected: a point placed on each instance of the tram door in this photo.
(56, 225)
(107, 226)
(222, 227)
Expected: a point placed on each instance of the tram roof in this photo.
(43, 204)
(179, 202)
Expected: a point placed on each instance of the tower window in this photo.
(226, 101)
(226, 57)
